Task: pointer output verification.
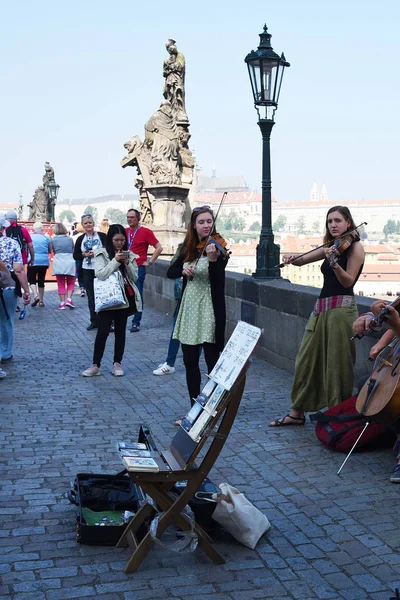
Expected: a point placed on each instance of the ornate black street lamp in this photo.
(53, 188)
(266, 72)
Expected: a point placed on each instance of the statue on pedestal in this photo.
(42, 206)
(163, 160)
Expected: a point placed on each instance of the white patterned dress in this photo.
(196, 322)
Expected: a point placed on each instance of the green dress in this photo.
(196, 321)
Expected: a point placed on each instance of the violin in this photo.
(379, 398)
(215, 239)
(341, 244)
(281, 265)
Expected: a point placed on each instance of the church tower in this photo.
(314, 196)
(324, 194)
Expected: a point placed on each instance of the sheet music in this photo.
(235, 354)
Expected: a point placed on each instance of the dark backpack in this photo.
(15, 232)
(339, 427)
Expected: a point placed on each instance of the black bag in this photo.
(104, 493)
(15, 233)
(202, 509)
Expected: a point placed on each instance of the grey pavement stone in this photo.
(331, 537)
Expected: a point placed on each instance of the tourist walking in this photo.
(324, 369)
(37, 272)
(139, 240)
(78, 230)
(64, 265)
(115, 258)
(84, 249)
(10, 290)
(202, 314)
(22, 236)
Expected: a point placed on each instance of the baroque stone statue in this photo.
(42, 207)
(174, 87)
(163, 159)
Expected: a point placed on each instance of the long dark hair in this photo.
(346, 214)
(192, 239)
(114, 229)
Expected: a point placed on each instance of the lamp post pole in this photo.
(267, 252)
(266, 72)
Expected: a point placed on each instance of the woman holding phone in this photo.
(115, 257)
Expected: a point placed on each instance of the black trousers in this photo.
(191, 355)
(36, 275)
(104, 320)
(88, 278)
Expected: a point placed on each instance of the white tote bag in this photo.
(108, 293)
(239, 516)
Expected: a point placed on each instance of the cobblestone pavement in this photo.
(332, 537)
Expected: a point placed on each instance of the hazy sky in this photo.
(79, 78)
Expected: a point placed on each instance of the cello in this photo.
(379, 398)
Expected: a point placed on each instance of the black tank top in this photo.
(332, 286)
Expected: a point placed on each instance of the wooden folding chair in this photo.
(177, 464)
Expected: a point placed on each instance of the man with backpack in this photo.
(22, 236)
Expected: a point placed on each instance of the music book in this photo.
(131, 446)
(136, 463)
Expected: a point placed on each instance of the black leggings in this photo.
(88, 278)
(36, 275)
(104, 320)
(191, 355)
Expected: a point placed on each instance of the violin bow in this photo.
(224, 195)
(323, 245)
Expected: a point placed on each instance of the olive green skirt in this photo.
(324, 370)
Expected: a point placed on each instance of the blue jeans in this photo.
(173, 347)
(139, 284)
(7, 325)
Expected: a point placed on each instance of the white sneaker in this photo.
(2, 374)
(117, 370)
(91, 371)
(164, 369)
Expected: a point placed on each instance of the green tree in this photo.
(301, 225)
(91, 210)
(256, 226)
(279, 223)
(240, 223)
(67, 215)
(115, 215)
(316, 227)
(390, 227)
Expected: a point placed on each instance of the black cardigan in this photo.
(78, 245)
(216, 273)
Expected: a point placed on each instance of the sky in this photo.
(78, 79)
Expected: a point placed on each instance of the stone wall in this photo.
(279, 307)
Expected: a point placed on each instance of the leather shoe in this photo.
(91, 326)
(5, 361)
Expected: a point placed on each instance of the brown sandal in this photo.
(281, 422)
(41, 304)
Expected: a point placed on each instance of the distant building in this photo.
(101, 203)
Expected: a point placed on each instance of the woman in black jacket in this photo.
(84, 249)
(202, 314)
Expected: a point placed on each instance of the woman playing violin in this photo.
(324, 364)
(202, 315)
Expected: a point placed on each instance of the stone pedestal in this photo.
(171, 213)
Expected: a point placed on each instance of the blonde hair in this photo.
(59, 229)
(79, 228)
(104, 226)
